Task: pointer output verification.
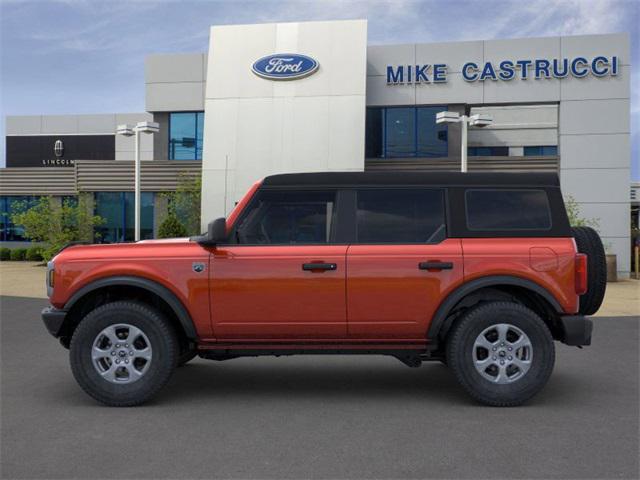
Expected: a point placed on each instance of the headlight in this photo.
(51, 278)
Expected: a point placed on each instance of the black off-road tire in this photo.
(460, 346)
(588, 242)
(164, 347)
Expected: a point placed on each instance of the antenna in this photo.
(226, 169)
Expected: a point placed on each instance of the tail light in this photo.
(581, 274)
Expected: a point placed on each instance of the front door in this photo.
(401, 265)
(282, 276)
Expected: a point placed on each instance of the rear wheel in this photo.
(123, 353)
(502, 353)
(588, 242)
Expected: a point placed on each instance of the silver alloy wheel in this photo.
(502, 353)
(121, 353)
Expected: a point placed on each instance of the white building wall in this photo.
(255, 127)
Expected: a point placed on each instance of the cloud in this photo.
(69, 56)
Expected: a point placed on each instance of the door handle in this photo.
(435, 265)
(319, 266)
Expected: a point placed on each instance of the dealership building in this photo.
(313, 96)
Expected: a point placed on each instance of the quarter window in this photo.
(400, 216)
(288, 218)
(507, 210)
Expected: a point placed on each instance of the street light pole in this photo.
(477, 120)
(463, 153)
(128, 131)
(136, 195)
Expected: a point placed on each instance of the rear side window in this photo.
(507, 210)
(288, 218)
(400, 216)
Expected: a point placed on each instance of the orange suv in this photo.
(479, 271)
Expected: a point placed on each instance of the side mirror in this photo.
(216, 233)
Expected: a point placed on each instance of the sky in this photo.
(87, 56)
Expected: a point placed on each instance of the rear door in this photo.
(283, 275)
(402, 263)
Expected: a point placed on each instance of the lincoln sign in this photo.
(506, 70)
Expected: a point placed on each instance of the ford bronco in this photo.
(481, 272)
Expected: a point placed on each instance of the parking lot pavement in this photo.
(320, 417)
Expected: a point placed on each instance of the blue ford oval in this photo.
(284, 66)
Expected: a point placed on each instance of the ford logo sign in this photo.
(285, 66)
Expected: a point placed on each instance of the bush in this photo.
(171, 228)
(5, 253)
(34, 254)
(57, 224)
(184, 203)
(18, 254)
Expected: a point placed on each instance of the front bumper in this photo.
(575, 330)
(54, 320)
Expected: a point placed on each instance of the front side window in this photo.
(400, 216)
(185, 135)
(288, 218)
(507, 210)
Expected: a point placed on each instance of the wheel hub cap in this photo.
(502, 353)
(121, 353)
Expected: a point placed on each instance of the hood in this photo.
(143, 248)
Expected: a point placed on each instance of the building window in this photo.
(117, 209)
(488, 151)
(185, 135)
(541, 151)
(9, 232)
(405, 132)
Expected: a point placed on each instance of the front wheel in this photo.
(502, 353)
(123, 353)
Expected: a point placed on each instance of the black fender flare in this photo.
(440, 317)
(154, 287)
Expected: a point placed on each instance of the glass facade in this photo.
(185, 135)
(488, 151)
(117, 208)
(541, 151)
(9, 232)
(405, 132)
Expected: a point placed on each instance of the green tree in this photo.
(575, 218)
(184, 203)
(57, 224)
(171, 228)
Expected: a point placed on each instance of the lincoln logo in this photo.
(58, 148)
(285, 66)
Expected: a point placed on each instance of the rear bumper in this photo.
(54, 320)
(575, 330)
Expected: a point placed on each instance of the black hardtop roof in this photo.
(414, 178)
